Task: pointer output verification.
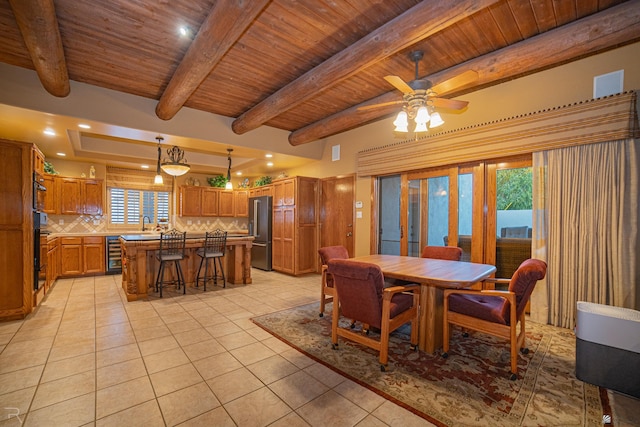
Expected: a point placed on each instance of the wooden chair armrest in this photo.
(391, 291)
(511, 296)
(494, 280)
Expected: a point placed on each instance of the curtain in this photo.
(136, 180)
(586, 228)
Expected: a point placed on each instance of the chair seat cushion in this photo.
(208, 254)
(484, 307)
(400, 303)
(170, 257)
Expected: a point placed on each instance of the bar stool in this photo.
(172, 244)
(215, 244)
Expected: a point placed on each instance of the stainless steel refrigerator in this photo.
(260, 228)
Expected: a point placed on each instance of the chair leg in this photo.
(205, 279)
(198, 274)
(160, 278)
(181, 278)
(224, 279)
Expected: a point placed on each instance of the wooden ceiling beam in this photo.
(605, 30)
(38, 25)
(417, 23)
(223, 27)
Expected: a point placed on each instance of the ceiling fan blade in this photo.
(399, 84)
(450, 104)
(460, 80)
(382, 104)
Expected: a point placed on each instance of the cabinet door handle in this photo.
(349, 234)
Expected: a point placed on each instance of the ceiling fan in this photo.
(420, 97)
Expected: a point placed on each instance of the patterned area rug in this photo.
(471, 387)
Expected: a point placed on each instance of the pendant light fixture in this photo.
(158, 179)
(229, 185)
(175, 164)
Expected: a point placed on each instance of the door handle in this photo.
(349, 234)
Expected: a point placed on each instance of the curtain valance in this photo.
(604, 119)
(136, 180)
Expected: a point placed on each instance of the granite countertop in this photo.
(133, 235)
(156, 236)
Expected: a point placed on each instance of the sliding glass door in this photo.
(483, 208)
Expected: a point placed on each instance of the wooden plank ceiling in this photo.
(304, 66)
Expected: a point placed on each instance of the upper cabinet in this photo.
(226, 206)
(265, 190)
(74, 196)
(241, 202)
(213, 202)
(38, 161)
(190, 200)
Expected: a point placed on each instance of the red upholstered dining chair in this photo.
(361, 296)
(326, 284)
(495, 312)
(449, 253)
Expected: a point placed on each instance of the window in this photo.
(129, 206)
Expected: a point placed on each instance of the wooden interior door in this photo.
(337, 212)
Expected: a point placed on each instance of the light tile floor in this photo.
(86, 356)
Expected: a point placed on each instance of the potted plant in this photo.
(218, 181)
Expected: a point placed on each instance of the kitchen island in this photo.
(140, 265)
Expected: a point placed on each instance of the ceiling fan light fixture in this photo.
(176, 164)
(436, 120)
(421, 127)
(401, 122)
(422, 116)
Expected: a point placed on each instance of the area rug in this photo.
(469, 388)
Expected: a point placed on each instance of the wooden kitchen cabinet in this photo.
(82, 256)
(226, 205)
(79, 196)
(91, 196)
(71, 256)
(51, 198)
(70, 196)
(241, 203)
(53, 262)
(294, 233)
(210, 200)
(284, 192)
(93, 255)
(38, 161)
(190, 200)
(16, 230)
(265, 190)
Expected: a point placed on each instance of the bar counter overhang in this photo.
(140, 265)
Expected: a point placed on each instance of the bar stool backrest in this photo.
(172, 244)
(215, 243)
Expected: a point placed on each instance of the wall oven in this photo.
(38, 193)
(39, 255)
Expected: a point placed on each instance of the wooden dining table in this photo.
(434, 276)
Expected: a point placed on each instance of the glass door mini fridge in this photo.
(260, 217)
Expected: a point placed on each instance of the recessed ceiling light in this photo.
(144, 166)
(268, 156)
(84, 126)
(184, 31)
(238, 173)
(270, 164)
(61, 154)
(50, 132)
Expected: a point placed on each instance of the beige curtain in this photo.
(586, 228)
(136, 180)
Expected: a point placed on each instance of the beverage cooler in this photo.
(113, 253)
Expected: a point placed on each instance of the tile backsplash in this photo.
(99, 224)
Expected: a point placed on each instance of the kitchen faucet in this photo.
(144, 229)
